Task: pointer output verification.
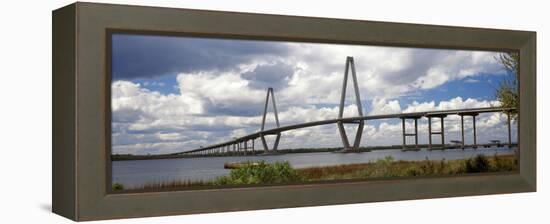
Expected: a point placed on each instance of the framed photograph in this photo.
(202, 111)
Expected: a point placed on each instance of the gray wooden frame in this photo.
(81, 110)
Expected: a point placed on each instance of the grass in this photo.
(387, 167)
(282, 172)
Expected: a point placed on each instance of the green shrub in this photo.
(478, 164)
(260, 173)
(118, 186)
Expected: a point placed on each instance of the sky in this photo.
(173, 94)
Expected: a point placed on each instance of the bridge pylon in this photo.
(278, 134)
(361, 123)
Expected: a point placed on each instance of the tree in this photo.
(507, 91)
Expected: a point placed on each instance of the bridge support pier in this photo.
(475, 134)
(253, 152)
(405, 134)
(344, 136)
(441, 132)
(245, 146)
(473, 115)
(509, 130)
(275, 144)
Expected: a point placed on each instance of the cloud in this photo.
(384, 72)
(275, 75)
(452, 65)
(452, 104)
(129, 99)
(222, 94)
(143, 56)
(381, 106)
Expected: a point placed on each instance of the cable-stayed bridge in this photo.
(245, 144)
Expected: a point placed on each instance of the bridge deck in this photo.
(352, 119)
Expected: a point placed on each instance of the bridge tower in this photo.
(361, 123)
(277, 134)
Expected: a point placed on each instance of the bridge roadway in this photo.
(413, 115)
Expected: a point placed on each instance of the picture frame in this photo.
(81, 110)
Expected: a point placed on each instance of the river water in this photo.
(138, 172)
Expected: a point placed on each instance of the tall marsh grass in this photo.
(388, 167)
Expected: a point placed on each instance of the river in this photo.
(138, 172)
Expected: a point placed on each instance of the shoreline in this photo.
(129, 157)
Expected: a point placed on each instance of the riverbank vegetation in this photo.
(388, 167)
(281, 172)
